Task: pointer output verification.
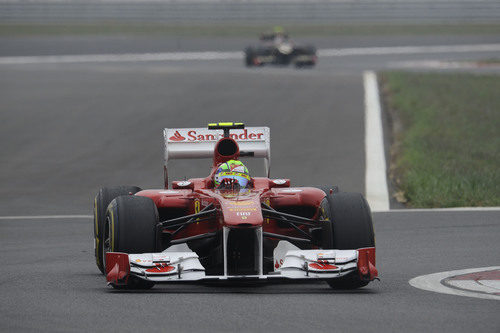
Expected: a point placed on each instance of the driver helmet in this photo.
(279, 30)
(280, 33)
(235, 171)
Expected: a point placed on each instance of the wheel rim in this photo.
(106, 241)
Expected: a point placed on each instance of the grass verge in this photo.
(241, 29)
(446, 150)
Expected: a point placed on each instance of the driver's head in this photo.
(232, 174)
(279, 30)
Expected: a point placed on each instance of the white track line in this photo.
(40, 217)
(409, 50)
(432, 282)
(377, 193)
(215, 55)
(437, 64)
(133, 57)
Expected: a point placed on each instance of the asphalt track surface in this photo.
(68, 129)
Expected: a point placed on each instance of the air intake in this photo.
(227, 147)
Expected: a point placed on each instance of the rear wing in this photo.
(186, 143)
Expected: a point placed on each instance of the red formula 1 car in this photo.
(267, 232)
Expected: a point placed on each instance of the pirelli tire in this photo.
(310, 52)
(130, 227)
(351, 227)
(101, 202)
(249, 57)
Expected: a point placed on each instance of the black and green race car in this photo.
(277, 49)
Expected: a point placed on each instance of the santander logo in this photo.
(177, 137)
(201, 136)
(237, 168)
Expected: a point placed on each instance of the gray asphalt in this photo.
(67, 130)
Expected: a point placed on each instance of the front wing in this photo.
(273, 59)
(296, 265)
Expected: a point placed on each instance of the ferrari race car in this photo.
(267, 232)
(277, 49)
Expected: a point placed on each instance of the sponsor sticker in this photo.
(267, 202)
(341, 258)
(161, 258)
(279, 181)
(138, 260)
(242, 209)
(176, 137)
(322, 265)
(243, 213)
(291, 190)
(241, 203)
(169, 192)
(238, 168)
(204, 135)
(326, 255)
(183, 183)
(160, 269)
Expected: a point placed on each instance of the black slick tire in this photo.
(351, 228)
(101, 202)
(249, 57)
(352, 221)
(130, 227)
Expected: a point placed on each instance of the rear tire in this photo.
(249, 57)
(329, 188)
(101, 202)
(351, 228)
(130, 227)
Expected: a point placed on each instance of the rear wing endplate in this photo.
(186, 143)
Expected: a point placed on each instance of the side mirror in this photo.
(183, 185)
(279, 183)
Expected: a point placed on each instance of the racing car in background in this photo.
(277, 49)
(268, 232)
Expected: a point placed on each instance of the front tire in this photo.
(352, 221)
(351, 228)
(101, 202)
(306, 51)
(130, 227)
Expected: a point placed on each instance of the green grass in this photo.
(242, 29)
(446, 150)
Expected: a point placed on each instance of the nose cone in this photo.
(242, 211)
